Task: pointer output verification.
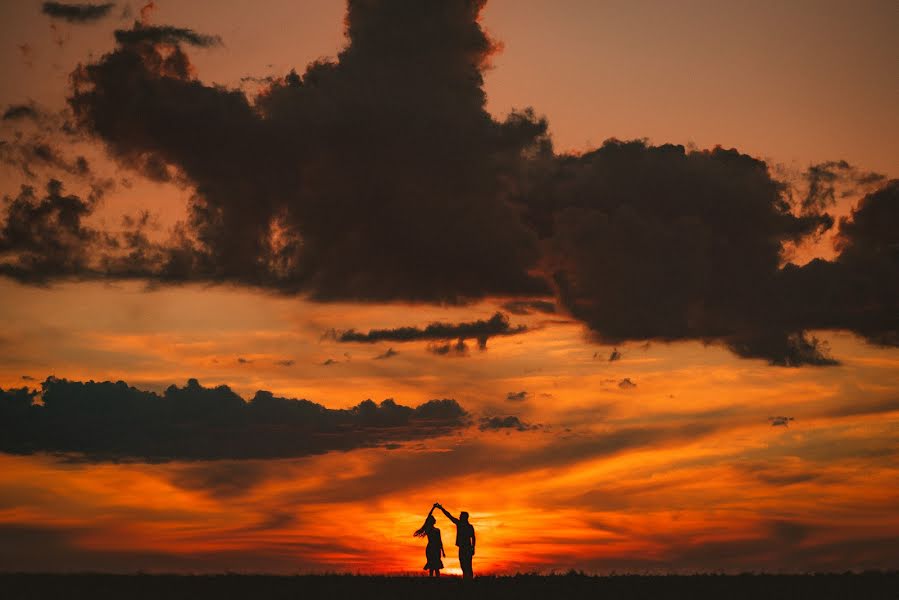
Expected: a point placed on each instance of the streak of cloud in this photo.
(76, 13)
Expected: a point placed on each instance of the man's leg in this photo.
(465, 563)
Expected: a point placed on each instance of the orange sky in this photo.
(682, 471)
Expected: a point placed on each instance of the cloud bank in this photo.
(106, 421)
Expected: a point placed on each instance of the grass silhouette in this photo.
(860, 586)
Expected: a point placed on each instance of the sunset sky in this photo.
(620, 279)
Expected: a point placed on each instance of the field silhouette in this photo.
(861, 586)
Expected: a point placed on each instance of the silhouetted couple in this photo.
(464, 540)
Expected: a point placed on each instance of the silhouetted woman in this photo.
(434, 549)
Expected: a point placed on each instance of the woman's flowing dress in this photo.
(433, 550)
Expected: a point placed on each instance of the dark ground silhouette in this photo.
(865, 586)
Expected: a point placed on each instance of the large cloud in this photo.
(657, 242)
(377, 176)
(112, 421)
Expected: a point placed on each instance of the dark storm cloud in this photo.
(657, 242)
(165, 34)
(112, 421)
(509, 422)
(380, 176)
(332, 182)
(517, 396)
(661, 243)
(480, 330)
(780, 421)
(76, 13)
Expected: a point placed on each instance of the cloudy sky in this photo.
(619, 279)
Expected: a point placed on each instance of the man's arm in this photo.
(448, 516)
(472, 541)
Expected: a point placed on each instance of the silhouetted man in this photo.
(464, 540)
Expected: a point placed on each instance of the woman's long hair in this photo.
(423, 530)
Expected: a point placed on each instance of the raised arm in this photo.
(448, 516)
